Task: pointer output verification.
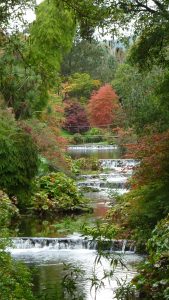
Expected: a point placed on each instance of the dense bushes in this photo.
(14, 277)
(57, 192)
(153, 280)
(147, 202)
(18, 158)
(7, 210)
(85, 164)
(95, 135)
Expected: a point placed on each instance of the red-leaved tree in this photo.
(103, 106)
(75, 118)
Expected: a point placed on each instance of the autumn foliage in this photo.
(147, 202)
(103, 106)
(153, 152)
(75, 118)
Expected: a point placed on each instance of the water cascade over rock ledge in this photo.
(118, 164)
(92, 147)
(71, 243)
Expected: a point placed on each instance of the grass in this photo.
(65, 133)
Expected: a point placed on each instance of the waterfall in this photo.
(59, 244)
(118, 164)
(103, 182)
(92, 147)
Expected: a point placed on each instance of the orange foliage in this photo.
(103, 106)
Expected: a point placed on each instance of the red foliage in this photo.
(103, 106)
(153, 152)
(75, 118)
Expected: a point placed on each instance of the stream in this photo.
(46, 246)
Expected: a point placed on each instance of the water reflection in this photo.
(50, 272)
(97, 154)
(56, 227)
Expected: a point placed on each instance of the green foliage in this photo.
(93, 58)
(7, 211)
(70, 282)
(18, 159)
(14, 277)
(101, 231)
(56, 192)
(69, 225)
(94, 135)
(137, 92)
(151, 47)
(81, 85)
(50, 37)
(82, 164)
(13, 10)
(29, 65)
(148, 205)
(159, 242)
(78, 138)
(153, 280)
(22, 87)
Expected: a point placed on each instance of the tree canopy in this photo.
(94, 58)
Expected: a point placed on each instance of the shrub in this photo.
(153, 280)
(78, 138)
(94, 135)
(56, 192)
(14, 277)
(91, 164)
(18, 158)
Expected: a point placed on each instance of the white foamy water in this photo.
(46, 257)
(92, 147)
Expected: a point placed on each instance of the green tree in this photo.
(80, 86)
(18, 159)
(51, 36)
(29, 64)
(138, 95)
(13, 9)
(21, 86)
(94, 58)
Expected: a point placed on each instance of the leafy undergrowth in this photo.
(153, 279)
(57, 192)
(80, 165)
(15, 280)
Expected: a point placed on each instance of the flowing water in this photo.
(49, 247)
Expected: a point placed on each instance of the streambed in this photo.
(48, 256)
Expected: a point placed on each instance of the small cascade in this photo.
(118, 164)
(103, 176)
(92, 147)
(90, 183)
(100, 185)
(103, 182)
(30, 243)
